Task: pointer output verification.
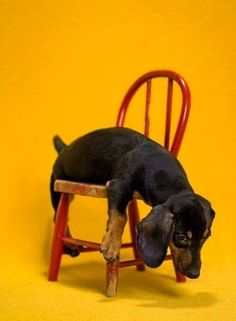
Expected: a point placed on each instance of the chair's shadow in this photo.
(150, 289)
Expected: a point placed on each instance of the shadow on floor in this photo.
(150, 289)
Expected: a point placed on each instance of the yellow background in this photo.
(65, 66)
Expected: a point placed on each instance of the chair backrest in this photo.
(172, 78)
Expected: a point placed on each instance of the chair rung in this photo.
(93, 246)
(126, 245)
(130, 263)
(138, 261)
(86, 244)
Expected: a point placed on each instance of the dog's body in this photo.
(132, 162)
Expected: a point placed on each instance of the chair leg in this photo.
(112, 272)
(179, 276)
(133, 221)
(59, 231)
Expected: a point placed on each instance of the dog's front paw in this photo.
(110, 247)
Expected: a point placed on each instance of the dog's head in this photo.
(183, 223)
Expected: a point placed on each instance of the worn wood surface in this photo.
(84, 189)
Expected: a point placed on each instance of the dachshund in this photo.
(132, 162)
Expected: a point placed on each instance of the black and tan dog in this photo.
(132, 162)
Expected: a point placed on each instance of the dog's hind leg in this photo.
(71, 250)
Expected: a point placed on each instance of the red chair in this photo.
(67, 188)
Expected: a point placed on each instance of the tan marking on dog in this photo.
(182, 257)
(206, 233)
(111, 243)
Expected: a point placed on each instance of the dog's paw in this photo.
(72, 250)
(110, 247)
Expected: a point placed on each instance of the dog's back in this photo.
(94, 156)
(118, 152)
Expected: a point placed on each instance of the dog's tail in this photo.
(58, 143)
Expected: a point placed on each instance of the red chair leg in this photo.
(59, 231)
(133, 221)
(112, 277)
(179, 277)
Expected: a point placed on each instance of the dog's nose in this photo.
(192, 273)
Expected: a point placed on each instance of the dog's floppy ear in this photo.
(212, 213)
(154, 233)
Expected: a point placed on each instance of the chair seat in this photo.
(85, 189)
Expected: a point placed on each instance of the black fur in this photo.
(133, 162)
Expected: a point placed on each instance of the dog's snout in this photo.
(192, 273)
